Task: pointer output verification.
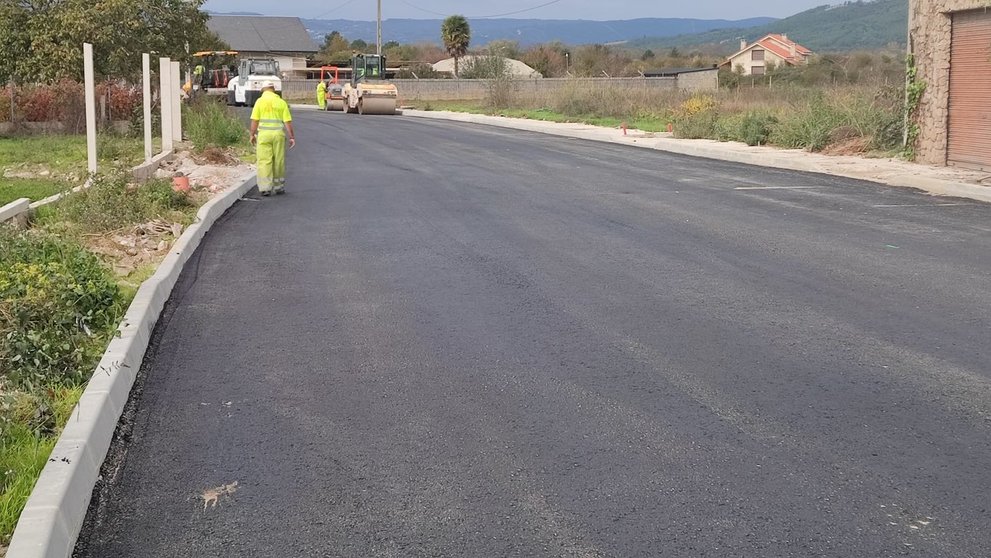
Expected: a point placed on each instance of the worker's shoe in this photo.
(266, 193)
(280, 191)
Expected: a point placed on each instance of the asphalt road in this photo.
(450, 340)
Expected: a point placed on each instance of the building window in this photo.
(757, 55)
(757, 70)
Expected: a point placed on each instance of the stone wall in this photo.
(930, 26)
(472, 89)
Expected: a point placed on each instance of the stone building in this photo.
(951, 44)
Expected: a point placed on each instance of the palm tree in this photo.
(456, 35)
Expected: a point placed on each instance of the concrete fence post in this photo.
(146, 101)
(90, 107)
(165, 95)
(176, 96)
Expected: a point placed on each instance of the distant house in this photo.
(516, 68)
(283, 38)
(773, 50)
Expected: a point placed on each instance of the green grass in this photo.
(208, 122)
(61, 154)
(24, 451)
(31, 188)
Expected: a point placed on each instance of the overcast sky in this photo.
(560, 9)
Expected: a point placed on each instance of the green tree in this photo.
(334, 42)
(335, 48)
(648, 55)
(504, 48)
(41, 40)
(359, 45)
(456, 35)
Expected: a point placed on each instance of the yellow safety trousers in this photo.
(271, 154)
(322, 99)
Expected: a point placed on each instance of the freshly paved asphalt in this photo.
(450, 340)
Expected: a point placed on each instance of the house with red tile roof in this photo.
(772, 50)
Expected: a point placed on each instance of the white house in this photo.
(776, 50)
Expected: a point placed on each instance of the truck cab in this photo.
(252, 73)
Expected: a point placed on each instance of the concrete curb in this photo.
(905, 175)
(55, 511)
(16, 209)
(144, 171)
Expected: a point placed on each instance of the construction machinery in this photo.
(216, 69)
(252, 73)
(335, 91)
(369, 92)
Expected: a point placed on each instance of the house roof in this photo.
(780, 45)
(515, 67)
(262, 33)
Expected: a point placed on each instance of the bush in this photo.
(111, 202)
(58, 307)
(756, 127)
(810, 126)
(696, 118)
(208, 122)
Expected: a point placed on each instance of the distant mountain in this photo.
(845, 27)
(526, 31)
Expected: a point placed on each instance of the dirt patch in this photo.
(133, 248)
(215, 156)
(204, 175)
(849, 146)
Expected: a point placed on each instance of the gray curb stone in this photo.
(788, 159)
(55, 511)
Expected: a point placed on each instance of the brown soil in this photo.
(848, 146)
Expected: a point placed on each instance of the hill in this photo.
(845, 27)
(527, 31)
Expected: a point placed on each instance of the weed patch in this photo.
(208, 123)
(112, 202)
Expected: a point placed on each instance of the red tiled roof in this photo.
(781, 46)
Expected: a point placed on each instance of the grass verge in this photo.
(63, 289)
(32, 188)
(842, 119)
(36, 167)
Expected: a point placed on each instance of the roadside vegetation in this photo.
(38, 166)
(853, 107)
(66, 281)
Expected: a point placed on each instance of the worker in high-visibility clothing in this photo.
(270, 122)
(322, 95)
(198, 72)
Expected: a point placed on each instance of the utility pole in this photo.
(378, 31)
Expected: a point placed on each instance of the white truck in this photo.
(252, 73)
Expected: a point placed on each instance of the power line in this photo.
(530, 9)
(334, 9)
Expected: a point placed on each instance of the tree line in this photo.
(41, 40)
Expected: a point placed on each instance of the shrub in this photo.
(808, 127)
(111, 202)
(729, 128)
(58, 307)
(696, 118)
(756, 127)
(208, 122)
